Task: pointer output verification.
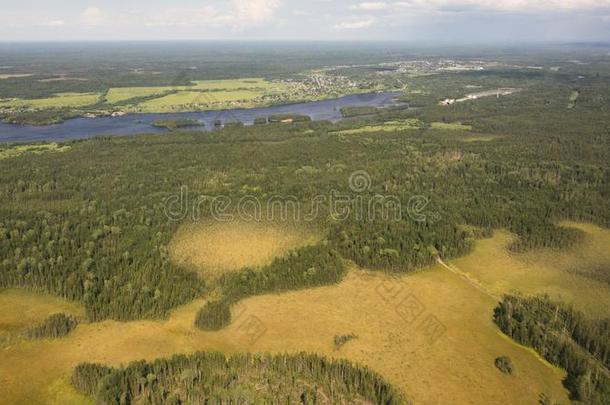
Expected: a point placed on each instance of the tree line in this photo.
(564, 337)
(307, 267)
(242, 378)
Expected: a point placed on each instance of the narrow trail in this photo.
(485, 291)
(468, 279)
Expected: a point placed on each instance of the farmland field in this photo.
(120, 94)
(59, 100)
(256, 83)
(217, 87)
(196, 100)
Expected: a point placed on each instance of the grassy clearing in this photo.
(213, 248)
(458, 367)
(62, 392)
(15, 76)
(205, 92)
(21, 150)
(389, 126)
(590, 259)
(22, 309)
(237, 84)
(120, 94)
(448, 126)
(58, 101)
(193, 100)
(573, 98)
(480, 138)
(568, 275)
(214, 91)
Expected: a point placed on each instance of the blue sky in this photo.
(408, 20)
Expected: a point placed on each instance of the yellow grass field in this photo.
(15, 76)
(455, 366)
(447, 126)
(215, 90)
(544, 271)
(119, 94)
(59, 100)
(238, 84)
(479, 138)
(389, 126)
(430, 333)
(185, 100)
(22, 309)
(213, 248)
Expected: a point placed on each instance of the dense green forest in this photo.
(90, 223)
(566, 338)
(242, 378)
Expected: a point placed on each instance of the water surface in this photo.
(80, 128)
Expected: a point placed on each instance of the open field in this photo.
(217, 88)
(210, 248)
(389, 126)
(442, 352)
(555, 273)
(404, 125)
(22, 309)
(454, 366)
(573, 98)
(451, 126)
(185, 100)
(120, 94)
(237, 84)
(59, 100)
(20, 150)
(480, 138)
(450, 360)
(14, 76)
(590, 259)
(205, 92)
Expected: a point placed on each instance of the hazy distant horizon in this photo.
(450, 21)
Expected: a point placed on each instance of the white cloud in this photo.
(55, 23)
(353, 24)
(524, 6)
(371, 6)
(93, 16)
(206, 15)
(236, 14)
(256, 11)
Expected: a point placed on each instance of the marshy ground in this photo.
(453, 365)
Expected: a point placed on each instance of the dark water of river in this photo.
(80, 128)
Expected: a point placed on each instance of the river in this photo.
(81, 128)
